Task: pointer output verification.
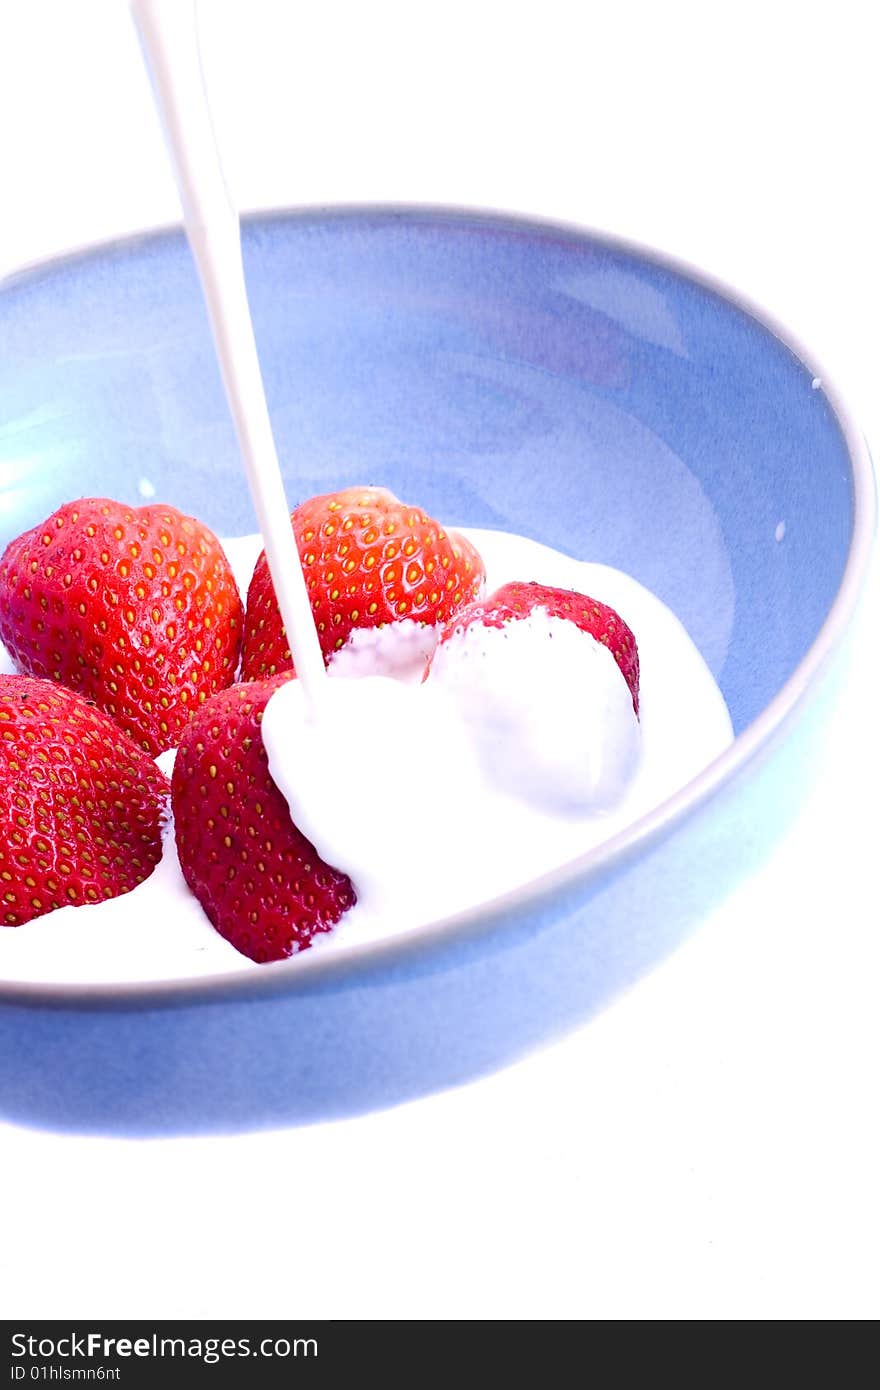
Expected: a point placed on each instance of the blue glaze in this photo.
(502, 374)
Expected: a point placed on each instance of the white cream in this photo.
(399, 649)
(168, 32)
(456, 820)
(486, 843)
(549, 715)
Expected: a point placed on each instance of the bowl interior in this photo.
(498, 373)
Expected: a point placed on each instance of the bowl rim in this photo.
(304, 972)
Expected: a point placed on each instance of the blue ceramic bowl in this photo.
(504, 374)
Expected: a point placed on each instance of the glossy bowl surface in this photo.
(504, 374)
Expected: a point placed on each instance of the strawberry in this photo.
(518, 600)
(259, 880)
(135, 607)
(369, 560)
(84, 805)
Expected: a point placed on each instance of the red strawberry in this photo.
(518, 600)
(84, 805)
(259, 880)
(135, 607)
(369, 560)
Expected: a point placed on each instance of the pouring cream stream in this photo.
(169, 38)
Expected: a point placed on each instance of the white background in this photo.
(708, 1146)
